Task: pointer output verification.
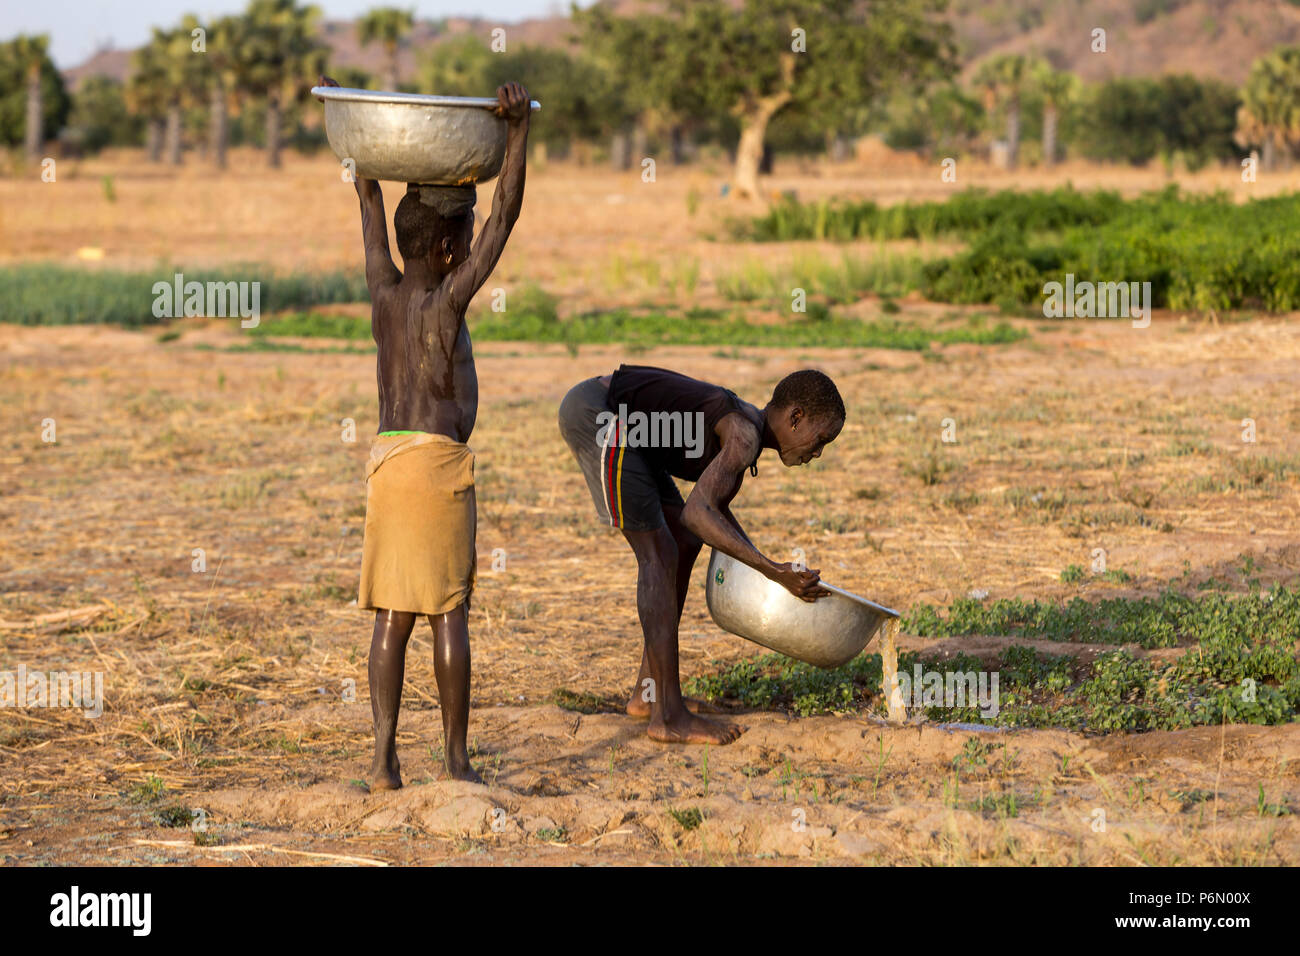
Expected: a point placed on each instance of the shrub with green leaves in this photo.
(1169, 620)
(1239, 665)
(1199, 252)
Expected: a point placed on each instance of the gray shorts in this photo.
(628, 491)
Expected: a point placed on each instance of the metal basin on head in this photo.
(827, 632)
(411, 138)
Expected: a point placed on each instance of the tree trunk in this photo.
(220, 125)
(1013, 133)
(639, 143)
(1268, 155)
(839, 147)
(33, 137)
(1050, 117)
(174, 134)
(754, 117)
(273, 128)
(154, 139)
(677, 144)
(751, 152)
(620, 151)
(392, 70)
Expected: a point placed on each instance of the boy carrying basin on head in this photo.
(419, 553)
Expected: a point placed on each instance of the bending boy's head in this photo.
(805, 414)
(435, 223)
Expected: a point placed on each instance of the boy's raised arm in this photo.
(374, 228)
(374, 233)
(466, 279)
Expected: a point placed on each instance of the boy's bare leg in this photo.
(387, 669)
(688, 549)
(451, 665)
(657, 606)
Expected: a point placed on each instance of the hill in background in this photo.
(1208, 38)
(1214, 38)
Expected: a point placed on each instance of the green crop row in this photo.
(1198, 252)
(1239, 666)
(40, 294)
(965, 214)
(818, 328)
(1170, 620)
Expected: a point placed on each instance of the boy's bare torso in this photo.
(425, 384)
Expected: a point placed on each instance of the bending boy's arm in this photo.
(733, 521)
(708, 516)
(468, 277)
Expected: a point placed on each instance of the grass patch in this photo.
(1240, 666)
(1200, 253)
(965, 214)
(649, 328)
(582, 702)
(1072, 574)
(776, 681)
(38, 294)
(688, 819)
(316, 326)
(1170, 620)
(148, 790)
(174, 816)
(885, 274)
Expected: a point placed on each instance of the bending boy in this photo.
(633, 432)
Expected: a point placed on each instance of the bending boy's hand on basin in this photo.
(805, 585)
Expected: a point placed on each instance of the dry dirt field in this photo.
(227, 690)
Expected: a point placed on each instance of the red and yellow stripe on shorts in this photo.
(611, 475)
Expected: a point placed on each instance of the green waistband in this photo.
(386, 434)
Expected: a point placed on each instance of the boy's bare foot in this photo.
(692, 729)
(385, 776)
(463, 772)
(636, 707)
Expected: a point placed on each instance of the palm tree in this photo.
(186, 73)
(170, 73)
(224, 40)
(1002, 78)
(1058, 88)
(1270, 110)
(31, 52)
(389, 26)
(281, 58)
(146, 94)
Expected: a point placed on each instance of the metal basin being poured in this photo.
(828, 632)
(410, 138)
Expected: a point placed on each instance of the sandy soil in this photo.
(232, 686)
